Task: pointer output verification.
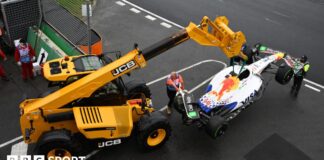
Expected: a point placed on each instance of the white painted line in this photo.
(272, 21)
(144, 10)
(193, 89)
(181, 27)
(120, 3)
(201, 84)
(92, 154)
(135, 10)
(19, 148)
(186, 68)
(166, 25)
(150, 17)
(280, 14)
(11, 141)
(313, 88)
(313, 83)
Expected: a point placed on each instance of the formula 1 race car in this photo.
(232, 90)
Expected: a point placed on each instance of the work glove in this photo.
(34, 58)
(19, 63)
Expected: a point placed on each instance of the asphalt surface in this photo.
(294, 26)
(277, 117)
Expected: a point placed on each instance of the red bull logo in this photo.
(228, 84)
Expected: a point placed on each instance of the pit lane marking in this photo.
(153, 14)
(313, 83)
(272, 21)
(150, 17)
(280, 14)
(186, 68)
(19, 148)
(135, 10)
(120, 3)
(11, 141)
(166, 25)
(313, 88)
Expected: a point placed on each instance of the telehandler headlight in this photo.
(21, 111)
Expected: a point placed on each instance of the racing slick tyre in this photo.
(57, 144)
(249, 53)
(178, 104)
(284, 74)
(216, 126)
(135, 89)
(153, 131)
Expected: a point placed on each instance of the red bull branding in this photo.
(213, 98)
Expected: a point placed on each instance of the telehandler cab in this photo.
(58, 121)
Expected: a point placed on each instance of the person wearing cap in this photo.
(2, 71)
(300, 74)
(24, 56)
(173, 84)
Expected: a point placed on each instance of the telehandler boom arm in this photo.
(210, 33)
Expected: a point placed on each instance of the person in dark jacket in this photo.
(300, 74)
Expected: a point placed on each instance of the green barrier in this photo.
(33, 38)
(59, 41)
(48, 39)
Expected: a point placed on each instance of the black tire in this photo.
(153, 128)
(216, 126)
(57, 143)
(248, 52)
(284, 74)
(178, 104)
(135, 89)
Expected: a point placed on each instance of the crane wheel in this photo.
(137, 88)
(57, 144)
(216, 126)
(153, 131)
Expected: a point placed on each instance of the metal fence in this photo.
(73, 6)
(18, 16)
(64, 17)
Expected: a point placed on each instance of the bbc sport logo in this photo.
(42, 157)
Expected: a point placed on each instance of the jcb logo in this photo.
(123, 68)
(109, 143)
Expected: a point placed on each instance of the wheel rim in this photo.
(156, 137)
(288, 76)
(59, 152)
(220, 131)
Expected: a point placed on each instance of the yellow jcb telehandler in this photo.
(57, 122)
